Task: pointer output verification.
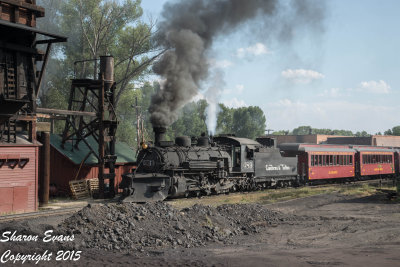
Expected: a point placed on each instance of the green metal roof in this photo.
(124, 153)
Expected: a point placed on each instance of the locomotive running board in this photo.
(146, 187)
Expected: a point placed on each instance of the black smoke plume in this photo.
(189, 27)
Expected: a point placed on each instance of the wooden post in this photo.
(45, 166)
(101, 139)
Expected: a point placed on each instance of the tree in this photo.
(95, 28)
(281, 132)
(110, 28)
(127, 117)
(248, 122)
(394, 131)
(388, 132)
(100, 27)
(362, 134)
(191, 122)
(343, 132)
(225, 119)
(302, 130)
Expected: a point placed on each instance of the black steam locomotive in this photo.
(205, 166)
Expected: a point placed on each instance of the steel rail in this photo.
(37, 214)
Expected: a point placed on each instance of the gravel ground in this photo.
(322, 230)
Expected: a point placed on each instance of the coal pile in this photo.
(132, 227)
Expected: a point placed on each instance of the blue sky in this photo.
(347, 77)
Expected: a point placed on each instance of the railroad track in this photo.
(37, 214)
(376, 182)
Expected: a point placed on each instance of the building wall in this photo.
(386, 140)
(351, 140)
(18, 185)
(308, 139)
(375, 140)
(63, 170)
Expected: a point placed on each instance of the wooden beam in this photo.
(44, 64)
(23, 118)
(37, 9)
(20, 48)
(65, 112)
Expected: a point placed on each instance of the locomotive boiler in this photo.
(205, 166)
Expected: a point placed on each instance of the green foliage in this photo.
(248, 122)
(95, 28)
(302, 130)
(191, 122)
(305, 130)
(281, 132)
(394, 131)
(225, 119)
(362, 134)
(388, 132)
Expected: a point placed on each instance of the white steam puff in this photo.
(212, 97)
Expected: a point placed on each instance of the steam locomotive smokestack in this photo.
(159, 135)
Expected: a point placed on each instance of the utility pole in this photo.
(137, 124)
(268, 131)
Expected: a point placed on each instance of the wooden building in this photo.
(18, 176)
(374, 140)
(22, 66)
(69, 163)
(307, 138)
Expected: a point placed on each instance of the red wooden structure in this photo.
(77, 163)
(21, 73)
(18, 177)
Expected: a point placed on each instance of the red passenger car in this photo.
(375, 161)
(322, 161)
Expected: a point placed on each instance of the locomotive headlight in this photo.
(144, 146)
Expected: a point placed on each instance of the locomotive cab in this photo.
(242, 152)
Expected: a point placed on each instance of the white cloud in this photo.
(333, 92)
(301, 75)
(380, 87)
(254, 50)
(234, 103)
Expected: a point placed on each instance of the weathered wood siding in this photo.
(18, 184)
